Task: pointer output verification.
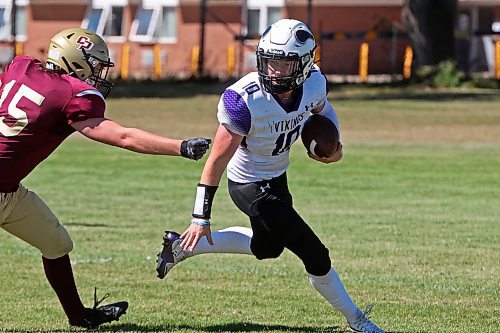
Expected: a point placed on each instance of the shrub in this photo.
(447, 75)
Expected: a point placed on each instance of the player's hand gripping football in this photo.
(195, 148)
(193, 234)
(335, 157)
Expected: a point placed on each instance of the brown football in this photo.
(320, 136)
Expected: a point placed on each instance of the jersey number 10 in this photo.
(283, 145)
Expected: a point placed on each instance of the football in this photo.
(320, 136)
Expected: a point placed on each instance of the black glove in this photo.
(195, 148)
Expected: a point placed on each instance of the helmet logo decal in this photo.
(302, 36)
(84, 43)
(277, 52)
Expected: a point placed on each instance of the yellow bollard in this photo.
(157, 61)
(125, 61)
(19, 49)
(231, 60)
(497, 60)
(407, 62)
(363, 62)
(195, 54)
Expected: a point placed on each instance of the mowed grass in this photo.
(411, 217)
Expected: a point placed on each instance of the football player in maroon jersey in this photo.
(41, 104)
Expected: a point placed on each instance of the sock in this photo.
(331, 288)
(229, 240)
(60, 276)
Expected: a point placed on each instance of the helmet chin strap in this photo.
(280, 88)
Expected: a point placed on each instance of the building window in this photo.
(261, 14)
(93, 17)
(5, 20)
(155, 21)
(273, 15)
(105, 19)
(168, 23)
(143, 21)
(113, 26)
(253, 22)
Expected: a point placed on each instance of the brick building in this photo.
(160, 38)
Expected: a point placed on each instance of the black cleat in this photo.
(96, 316)
(171, 254)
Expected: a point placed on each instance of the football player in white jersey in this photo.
(260, 117)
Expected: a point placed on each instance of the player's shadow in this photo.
(231, 328)
(421, 95)
(92, 225)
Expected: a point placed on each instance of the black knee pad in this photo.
(265, 250)
(312, 252)
(316, 259)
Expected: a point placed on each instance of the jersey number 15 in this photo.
(14, 111)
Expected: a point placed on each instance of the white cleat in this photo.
(363, 324)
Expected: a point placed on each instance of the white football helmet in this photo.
(292, 43)
(83, 54)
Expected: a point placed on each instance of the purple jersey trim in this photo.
(237, 111)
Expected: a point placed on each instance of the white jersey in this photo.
(269, 128)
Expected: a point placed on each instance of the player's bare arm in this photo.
(109, 132)
(225, 145)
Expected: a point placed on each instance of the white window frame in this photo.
(5, 31)
(157, 7)
(106, 5)
(149, 36)
(263, 6)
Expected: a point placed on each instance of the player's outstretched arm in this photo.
(109, 132)
(225, 145)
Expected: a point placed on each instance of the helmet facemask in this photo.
(100, 69)
(289, 45)
(281, 81)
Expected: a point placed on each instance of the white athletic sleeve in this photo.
(330, 113)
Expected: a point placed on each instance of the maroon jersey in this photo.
(37, 109)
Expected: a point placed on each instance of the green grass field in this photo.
(411, 216)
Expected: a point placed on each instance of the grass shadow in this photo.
(234, 328)
(383, 92)
(427, 96)
(228, 327)
(339, 92)
(169, 89)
